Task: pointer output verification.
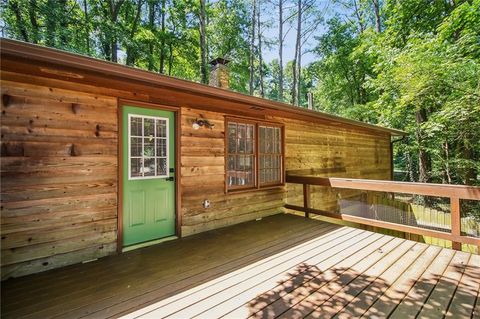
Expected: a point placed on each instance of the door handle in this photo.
(170, 179)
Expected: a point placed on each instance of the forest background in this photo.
(413, 65)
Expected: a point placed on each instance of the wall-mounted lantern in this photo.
(199, 123)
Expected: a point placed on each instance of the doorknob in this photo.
(170, 179)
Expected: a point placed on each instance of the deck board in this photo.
(439, 299)
(282, 266)
(411, 304)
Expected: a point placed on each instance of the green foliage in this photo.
(418, 72)
(420, 75)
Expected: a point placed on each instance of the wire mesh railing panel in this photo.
(416, 211)
(470, 218)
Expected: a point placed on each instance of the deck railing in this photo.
(453, 192)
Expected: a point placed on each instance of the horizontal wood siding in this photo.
(59, 166)
(333, 151)
(59, 177)
(203, 177)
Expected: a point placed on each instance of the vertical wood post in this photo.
(456, 225)
(306, 198)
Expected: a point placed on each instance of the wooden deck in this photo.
(282, 266)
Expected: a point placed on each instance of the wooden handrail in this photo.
(440, 190)
(454, 192)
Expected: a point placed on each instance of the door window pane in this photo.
(148, 143)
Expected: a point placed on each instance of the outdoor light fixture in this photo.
(199, 123)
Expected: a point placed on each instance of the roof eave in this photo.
(59, 57)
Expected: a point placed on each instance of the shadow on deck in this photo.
(282, 266)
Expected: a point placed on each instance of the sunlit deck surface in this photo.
(282, 266)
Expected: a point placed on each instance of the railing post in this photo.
(306, 198)
(456, 225)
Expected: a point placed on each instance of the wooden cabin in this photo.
(99, 158)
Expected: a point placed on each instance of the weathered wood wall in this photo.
(60, 173)
(59, 177)
(203, 177)
(335, 151)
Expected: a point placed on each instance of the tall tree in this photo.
(297, 59)
(163, 36)
(86, 22)
(203, 43)
(376, 11)
(151, 27)
(131, 45)
(252, 47)
(259, 52)
(280, 49)
(114, 10)
(32, 13)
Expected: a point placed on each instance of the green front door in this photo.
(148, 174)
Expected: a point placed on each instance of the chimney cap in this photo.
(219, 61)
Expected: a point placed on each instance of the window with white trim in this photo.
(148, 147)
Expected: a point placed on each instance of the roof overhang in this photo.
(35, 53)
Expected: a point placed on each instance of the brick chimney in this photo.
(219, 75)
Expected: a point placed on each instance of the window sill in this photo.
(255, 189)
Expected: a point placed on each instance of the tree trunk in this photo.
(469, 175)
(131, 54)
(114, 10)
(299, 74)
(260, 60)
(280, 50)
(376, 11)
(170, 52)
(252, 47)
(410, 166)
(424, 161)
(447, 178)
(32, 13)
(295, 71)
(151, 26)
(51, 23)
(87, 29)
(18, 20)
(63, 22)
(203, 49)
(162, 42)
(358, 14)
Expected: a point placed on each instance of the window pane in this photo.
(148, 127)
(135, 146)
(262, 139)
(250, 131)
(149, 167)
(270, 154)
(231, 178)
(239, 163)
(242, 131)
(149, 146)
(161, 128)
(241, 141)
(161, 147)
(278, 140)
(135, 167)
(161, 166)
(240, 157)
(231, 163)
(136, 126)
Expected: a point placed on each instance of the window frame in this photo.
(167, 138)
(256, 154)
